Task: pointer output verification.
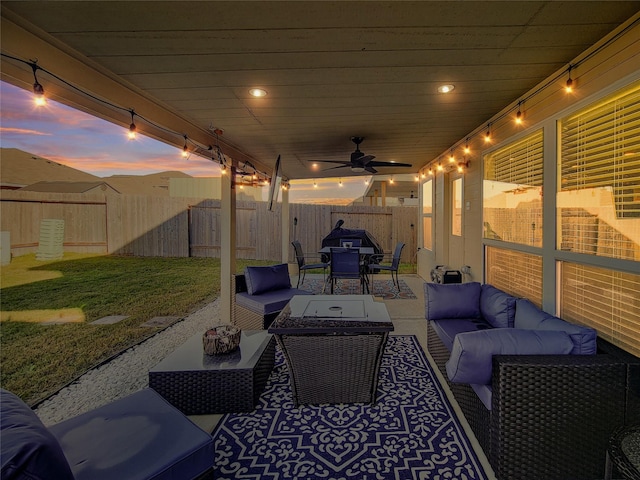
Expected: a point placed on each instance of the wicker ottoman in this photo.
(199, 384)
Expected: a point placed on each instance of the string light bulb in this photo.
(519, 115)
(391, 180)
(315, 185)
(430, 171)
(185, 149)
(132, 128)
(466, 146)
(440, 168)
(569, 85)
(487, 136)
(451, 157)
(38, 90)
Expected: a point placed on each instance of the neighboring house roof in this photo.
(19, 169)
(152, 184)
(69, 187)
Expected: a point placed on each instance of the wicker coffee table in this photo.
(333, 347)
(197, 383)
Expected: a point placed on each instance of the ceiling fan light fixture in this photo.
(357, 169)
(446, 88)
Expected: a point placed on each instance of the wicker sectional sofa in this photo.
(541, 395)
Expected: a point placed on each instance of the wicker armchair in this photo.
(551, 415)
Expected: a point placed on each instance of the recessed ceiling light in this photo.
(446, 88)
(258, 92)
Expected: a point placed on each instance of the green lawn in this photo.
(38, 359)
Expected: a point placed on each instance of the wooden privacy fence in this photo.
(140, 225)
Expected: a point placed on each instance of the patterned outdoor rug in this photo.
(381, 288)
(411, 432)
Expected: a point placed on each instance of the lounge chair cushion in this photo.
(268, 302)
(140, 436)
(447, 329)
(528, 316)
(444, 301)
(497, 307)
(472, 354)
(266, 279)
(27, 448)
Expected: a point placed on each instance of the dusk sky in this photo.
(95, 146)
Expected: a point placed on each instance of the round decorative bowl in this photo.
(221, 339)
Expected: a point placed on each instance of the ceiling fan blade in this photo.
(366, 159)
(389, 164)
(370, 169)
(339, 166)
(343, 162)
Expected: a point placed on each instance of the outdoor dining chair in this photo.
(345, 264)
(393, 268)
(303, 266)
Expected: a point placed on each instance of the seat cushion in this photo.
(266, 279)
(268, 302)
(140, 436)
(528, 316)
(28, 450)
(448, 328)
(453, 300)
(497, 307)
(472, 353)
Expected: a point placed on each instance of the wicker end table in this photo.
(197, 383)
(333, 347)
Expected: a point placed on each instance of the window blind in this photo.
(512, 191)
(606, 300)
(599, 170)
(517, 273)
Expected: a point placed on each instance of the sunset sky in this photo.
(95, 146)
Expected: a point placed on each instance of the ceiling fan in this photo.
(360, 162)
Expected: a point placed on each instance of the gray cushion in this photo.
(448, 328)
(528, 316)
(268, 302)
(472, 353)
(140, 436)
(266, 279)
(452, 300)
(497, 307)
(28, 450)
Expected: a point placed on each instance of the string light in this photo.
(440, 168)
(315, 185)
(430, 171)
(451, 157)
(391, 180)
(519, 115)
(487, 136)
(466, 146)
(569, 85)
(38, 90)
(185, 149)
(340, 183)
(132, 128)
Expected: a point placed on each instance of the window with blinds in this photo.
(512, 192)
(606, 300)
(427, 214)
(599, 172)
(517, 273)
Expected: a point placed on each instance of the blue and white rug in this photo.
(410, 433)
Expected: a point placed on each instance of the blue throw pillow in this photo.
(451, 300)
(266, 279)
(28, 448)
(471, 359)
(497, 307)
(529, 316)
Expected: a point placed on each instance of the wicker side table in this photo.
(197, 383)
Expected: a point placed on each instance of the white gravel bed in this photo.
(126, 373)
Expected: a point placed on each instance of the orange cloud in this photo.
(22, 131)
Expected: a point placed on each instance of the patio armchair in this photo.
(345, 264)
(303, 266)
(375, 267)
